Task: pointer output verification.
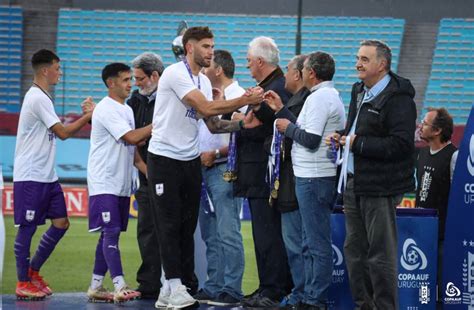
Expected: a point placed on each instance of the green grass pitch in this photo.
(70, 266)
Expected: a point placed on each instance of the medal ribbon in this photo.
(232, 156)
(345, 158)
(188, 67)
(206, 202)
(274, 158)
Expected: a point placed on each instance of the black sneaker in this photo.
(225, 299)
(202, 297)
(260, 301)
(147, 294)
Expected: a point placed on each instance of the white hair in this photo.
(265, 48)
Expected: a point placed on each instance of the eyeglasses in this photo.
(423, 123)
(139, 78)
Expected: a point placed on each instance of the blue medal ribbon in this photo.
(274, 162)
(206, 203)
(232, 156)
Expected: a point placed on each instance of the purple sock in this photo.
(46, 246)
(22, 251)
(100, 265)
(112, 252)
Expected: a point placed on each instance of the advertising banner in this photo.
(458, 253)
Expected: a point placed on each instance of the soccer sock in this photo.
(174, 284)
(111, 251)
(46, 246)
(118, 282)
(22, 251)
(100, 265)
(96, 281)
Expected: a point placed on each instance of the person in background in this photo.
(147, 69)
(434, 171)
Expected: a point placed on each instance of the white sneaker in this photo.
(163, 300)
(181, 298)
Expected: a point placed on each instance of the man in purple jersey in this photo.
(36, 190)
(109, 178)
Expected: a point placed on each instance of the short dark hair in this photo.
(298, 62)
(43, 57)
(113, 70)
(444, 121)
(196, 33)
(382, 49)
(223, 59)
(322, 64)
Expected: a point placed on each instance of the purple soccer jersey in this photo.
(107, 210)
(34, 202)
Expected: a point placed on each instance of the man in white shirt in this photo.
(36, 190)
(174, 167)
(109, 179)
(220, 225)
(315, 170)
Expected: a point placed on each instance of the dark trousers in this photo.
(272, 263)
(149, 272)
(370, 249)
(176, 188)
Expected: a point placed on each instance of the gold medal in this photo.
(274, 194)
(276, 185)
(234, 176)
(227, 176)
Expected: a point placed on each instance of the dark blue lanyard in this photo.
(191, 73)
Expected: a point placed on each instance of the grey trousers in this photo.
(370, 249)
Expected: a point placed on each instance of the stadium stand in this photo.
(11, 30)
(341, 36)
(87, 40)
(451, 83)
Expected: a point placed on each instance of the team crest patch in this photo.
(160, 188)
(30, 215)
(106, 217)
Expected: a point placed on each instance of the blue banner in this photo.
(458, 253)
(417, 252)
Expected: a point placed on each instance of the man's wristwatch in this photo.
(218, 154)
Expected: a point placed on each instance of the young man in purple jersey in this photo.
(109, 178)
(36, 190)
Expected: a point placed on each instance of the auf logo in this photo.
(413, 257)
(336, 256)
(452, 290)
(470, 158)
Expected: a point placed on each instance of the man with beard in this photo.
(174, 165)
(147, 69)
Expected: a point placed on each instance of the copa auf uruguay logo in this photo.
(413, 257)
(336, 256)
(470, 158)
(452, 290)
(337, 260)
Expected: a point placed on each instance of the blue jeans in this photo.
(316, 198)
(292, 233)
(221, 233)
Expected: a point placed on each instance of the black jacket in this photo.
(251, 157)
(143, 114)
(384, 144)
(286, 201)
